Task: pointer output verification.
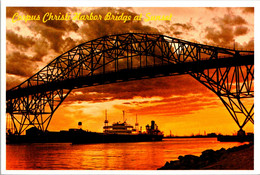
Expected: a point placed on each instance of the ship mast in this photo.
(106, 121)
(123, 116)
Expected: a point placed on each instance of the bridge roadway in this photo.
(132, 74)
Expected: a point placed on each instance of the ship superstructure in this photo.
(118, 127)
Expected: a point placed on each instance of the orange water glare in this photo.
(109, 156)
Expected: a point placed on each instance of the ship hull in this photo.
(81, 138)
(115, 138)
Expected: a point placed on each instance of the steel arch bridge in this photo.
(123, 57)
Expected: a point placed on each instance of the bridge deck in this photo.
(132, 74)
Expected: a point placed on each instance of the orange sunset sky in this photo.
(180, 103)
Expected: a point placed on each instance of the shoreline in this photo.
(235, 158)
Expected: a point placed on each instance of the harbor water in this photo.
(107, 156)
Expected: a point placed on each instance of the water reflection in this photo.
(110, 156)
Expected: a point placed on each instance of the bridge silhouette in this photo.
(228, 73)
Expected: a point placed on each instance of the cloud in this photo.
(250, 44)
(241, 30)
(177, 33)
(53, 31)
(164, 87)
(220, 37)
(38, 49)
(246, 45)
(212, 8)
(177, 29)
(228, 27)
(231, 20)
(12, 80)
(176, 106)
(248, 9)
(20, 64)
(18, 40)
(188, 26)
(95, 29)
(53, 36)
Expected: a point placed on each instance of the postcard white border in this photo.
(124, 3)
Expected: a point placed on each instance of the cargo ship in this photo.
(117, 132)
(120, 132)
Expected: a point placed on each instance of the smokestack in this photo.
(152, 124)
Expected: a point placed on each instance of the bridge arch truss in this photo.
(124, 57)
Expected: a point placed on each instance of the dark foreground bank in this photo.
(236, 158)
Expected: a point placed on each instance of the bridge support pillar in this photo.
(241, 133)
(35, 110)
(235, 88)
